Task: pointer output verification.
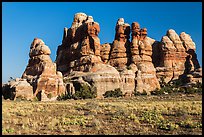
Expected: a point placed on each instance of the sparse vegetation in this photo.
(49, 95)
(176, 87)
(177, 114)
(137, 93)
(64, 96)
(113, 93)
(84, 92)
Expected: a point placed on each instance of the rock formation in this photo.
(137, 65)
(80, 48)
(141, 51)
(105, 52)
(174, 55)
(79, 56)
(134, 65)
(120, 49)
(131, 63)
(41, 71)
(17, 88)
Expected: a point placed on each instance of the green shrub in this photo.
(176, 86)
(137, 93)
(162, 82)
(166, 125)
(35, 99)
(151, 117)
(49, 95)
(198, 84)
(191, 90)
(157, 92)
(189, 123)
(64, 97)
(134, 118)
(113, 93)
(85, 92)
(181, 89)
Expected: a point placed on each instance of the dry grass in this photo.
(145, 115)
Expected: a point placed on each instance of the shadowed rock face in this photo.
(17, 88)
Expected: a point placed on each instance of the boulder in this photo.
(104, 77)
(17, 89)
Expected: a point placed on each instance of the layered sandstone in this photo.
(131, 63)
(134, 65)
(141, 51)
(120, 49)
(17, 88)
(105, 52)
(81, 55)
(174, 53)
(41, 72)
(80, 48)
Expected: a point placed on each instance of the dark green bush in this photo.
(85, 92)
(137, 93)
(157, 92)
(175, 86)
(64, 96)
(49, 95)
(191, 90)
(113, 93)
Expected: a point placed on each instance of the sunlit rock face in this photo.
(140, 61)
(141, 57)
(80, 51)
(42, 73)
(80, 48)
(120, 49)
(132, 61)
(174, 55)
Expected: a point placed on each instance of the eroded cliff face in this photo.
(174, 57)
(42, 73)
(79, 56)
(121, 64)
(133, 62)
(40, 79)
(80, 48)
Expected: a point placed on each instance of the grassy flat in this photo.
(171, 114)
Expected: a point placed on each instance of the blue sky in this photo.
(23, 21)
